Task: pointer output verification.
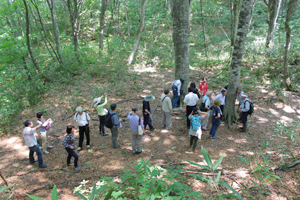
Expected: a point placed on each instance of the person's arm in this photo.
(246, 107)
(65, 141)
(219, 115)
(105, 102)
(204, 114)
(88, 119)
(74, 121)
(191, 114)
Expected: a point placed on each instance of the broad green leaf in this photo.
(34, 197)
(159, 189)
(87, 163)
(5, 188)
(217, 164)
(80, 195)
(54, 193)
(202, 166)
(109, 194)
(206, 157)
(257, 168)
(93, 192)
(270, 180)
(218, 177)
(231, 189)
(173, 148)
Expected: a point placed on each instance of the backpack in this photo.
(195, 123)
(251, 110)
(108, 120)
(202, 107)
(174, 87)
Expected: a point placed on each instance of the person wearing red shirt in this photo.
(203, 86)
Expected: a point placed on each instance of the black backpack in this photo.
(251, 110)
(108, 120)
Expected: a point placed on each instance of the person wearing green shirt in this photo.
(101, 113)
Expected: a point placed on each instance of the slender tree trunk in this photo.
(236, 12)
(102, 20)
(180, 10)
(203, 29)
(235, 67)
(138, 35)
(127, 20)
(273, 11)
(291, 9)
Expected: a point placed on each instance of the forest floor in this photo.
(159, 147)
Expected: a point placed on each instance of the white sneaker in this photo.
(50, 147)
(79, 148)
(46, 152)
(88, 146)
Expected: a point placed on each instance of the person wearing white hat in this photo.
(83, 120)
(244, 108)
(147, 111)
(101, 113)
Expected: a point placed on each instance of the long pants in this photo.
(136, 141)
(175, 98)
(84, 130)
(148, 121)
(114, 137)
(71, 153)
(166, 118)
(213, 129)
(189, 110)
(44, 137)
(204, 121)
(38, 152)
(193, 141)
(244, 118)
(222, 109)
(101, 124)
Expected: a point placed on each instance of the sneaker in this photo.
(79, 148)
(70, 164)
(117, 146)
(42, 166)
(88, 146)
(50, 147)
(105, 134)
(46, 152)
(77, 168)
(138, 152)
(33, 162)
(153, 129)
(169, 127)
(214, 138)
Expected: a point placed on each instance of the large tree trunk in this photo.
(102, 20)
(273, 11)
(138, 35)
(180, 10)
(236, 13)
(291, 9)
(246, 12)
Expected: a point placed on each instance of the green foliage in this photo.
(3, 192)
(291, 130)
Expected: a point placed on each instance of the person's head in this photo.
(28, 123)
(79, 110)
(190, 89)
(209, 93)
(193, 85)
(182, 80)
(195, 111)
(239, 89)
(166, 91)
(204, 79)
(217, 103)
(135, 110)
(113, 107)
(223, 91)
(70, 129)
(39, 115)
(244, 96)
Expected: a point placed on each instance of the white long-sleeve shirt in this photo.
(221, 98)
(178, 84)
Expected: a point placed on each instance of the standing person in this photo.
(115, 125)
(43, 132)
(239, 97)
(135, 121)
(147, 111)
(176, 86)
(196, 91)
(167, 109)
(190, 102)
(203, 86)
(83, 120)
(101, 113)
(29, 135)
(205, 108)
(221, 97)
(69, 143)
(195, 129)
(215, 119)
(244, 108)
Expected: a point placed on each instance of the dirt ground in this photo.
(159, 147)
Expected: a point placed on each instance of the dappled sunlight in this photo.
(113, 165)
(146, 91)
(241, 173)
(249, 153)
(240, 141)
(262, 120)
(170, 152)
(231, 150)
(274, 112)
(284, 119)
(141, 68)
(164, 131)
(167, 141)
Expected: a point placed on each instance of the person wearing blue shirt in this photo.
(176, 86)
(244, 108)
(216, 114)
(206, 101)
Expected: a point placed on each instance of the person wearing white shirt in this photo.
(83, 120)
(176, 86)
(167, 109)
(221, 97)
(244, 108)
(190, 102)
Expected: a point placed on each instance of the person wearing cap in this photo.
(203, 86)
(221, 97)
(83, 120)
(190, 102)
(101, 113)
(147, 111)
(206, 101)
(216, 114)
(176, 86)
(239, 97)
(244, 108)
(167, 109)
(116, 123)
(69, 143)
(196, 134)
(134, 122)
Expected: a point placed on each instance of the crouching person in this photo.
(69, 143)
(244, 109)
(135, 121)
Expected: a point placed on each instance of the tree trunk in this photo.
(235, 67)
(273, 11)
(128, 28)
(102, 19)
(236, 13)
(291, 9)
(137, 37)
(181, 33)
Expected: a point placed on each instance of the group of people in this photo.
(197, 120)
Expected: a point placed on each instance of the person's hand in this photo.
(71, 147)
(240, 109)
(144, 133)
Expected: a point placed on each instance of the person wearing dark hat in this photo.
(147, 111)
(190, 102)
(244, 108)
(221, 97)
(176, 86)
(134, 122)
(167, 109)
(115, 122)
